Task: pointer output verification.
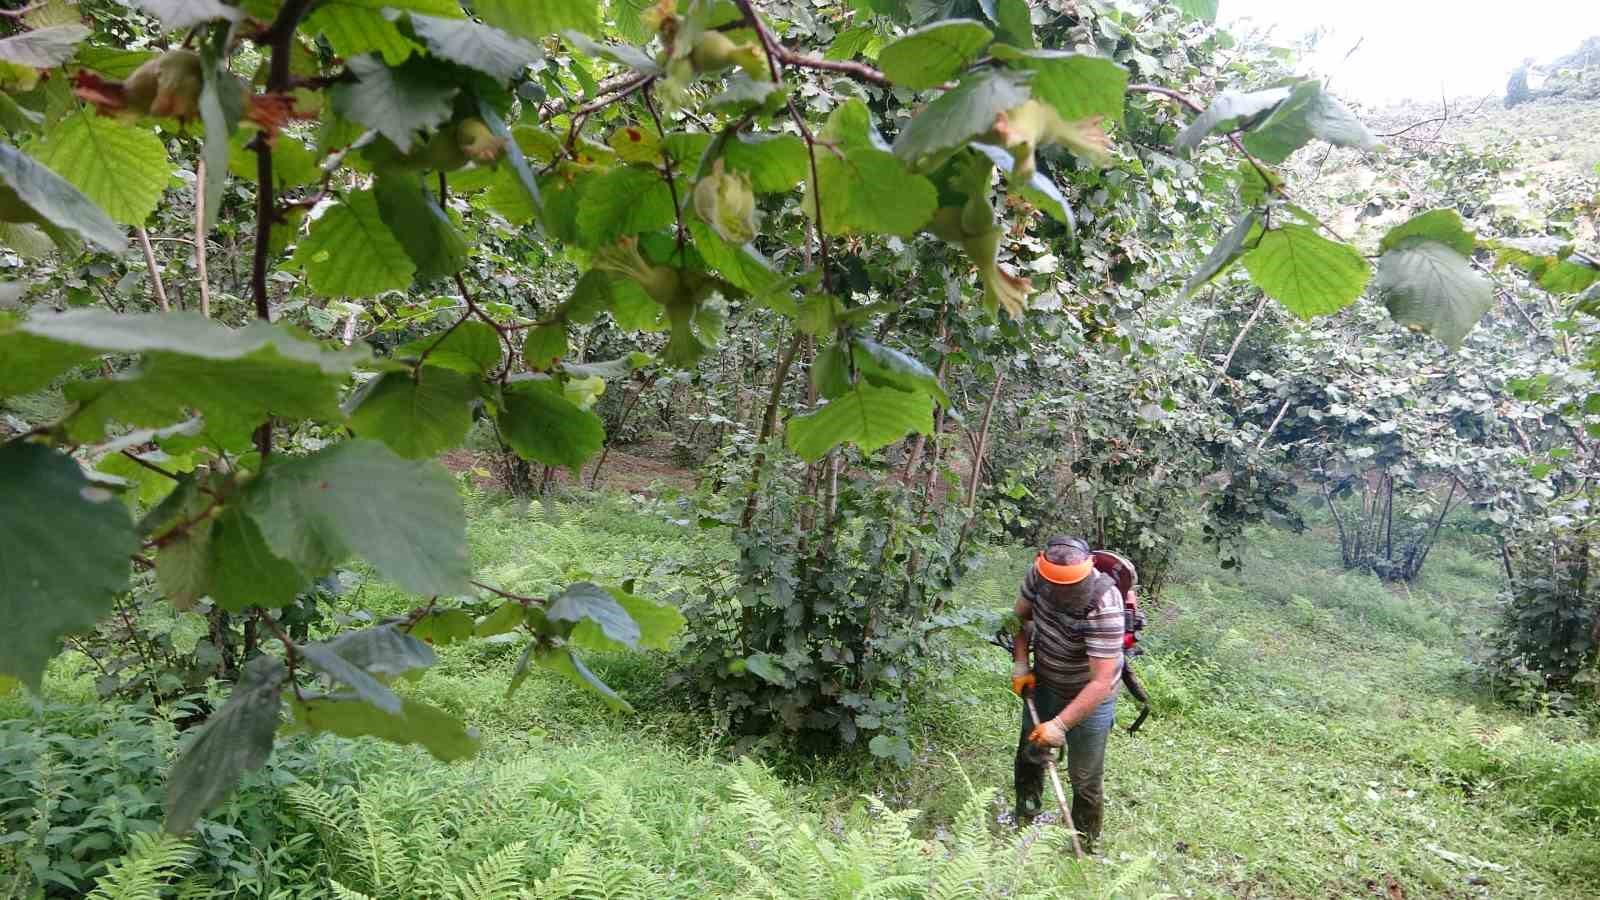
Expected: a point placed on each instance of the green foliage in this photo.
(933, 54)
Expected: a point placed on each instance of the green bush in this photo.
(1527, 775)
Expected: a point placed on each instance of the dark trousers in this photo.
(1086, 761)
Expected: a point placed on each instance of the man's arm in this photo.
(1102, 684)
(1022, 677)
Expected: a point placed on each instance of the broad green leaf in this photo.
(1013, 22)
(599, 621)
(481, 47)
(33, 193)
(1227, 251)
(395, 102)
(608, 369)
(122, 168)
(1306, 272)
(351, 252)
(658, 622)
(183, 564)
(1442, 226)
(776, 163)
(864, 188)
(113, 62)
(627, 200)
(472, 347)
(442, 627)
(515, 161)
(1255, 183)
(178, 14)
(934, 54)
(743, 266)
(421, 225)
(403, 517)
(1570, 274)
(538, 20)
(766, 667)
(42, 48)
(871, 417)
(358, 659)
(508, 616)
(1078, 85)
(957, 117)
(830, 371)
(892, 747)
(244, 572)
(362, 684)
(543, 426)
(1204, 10)
(565, 661)
(1429, 286)
(417, 415)
(64, 548)
(545, 346)
(891, 368)
(29, 363)
(293, 163)
(235, 740)
(353, 31)
(441, 734)
(1308, 112)
(1230, 111)
(863, 40)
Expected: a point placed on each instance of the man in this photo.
(1072, 619)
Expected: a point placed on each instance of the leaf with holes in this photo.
(418, 416)
(235, 740)
(1429, 286)
(871, 417)
(403, 517)
(441, 734)
(351, 252)
(64, 548)
(935, 53)
(543, 426)
(123, 168)
(1306, 272)
(958, 117)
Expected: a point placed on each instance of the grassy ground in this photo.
(1316, 734)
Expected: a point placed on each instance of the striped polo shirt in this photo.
(1068, 629)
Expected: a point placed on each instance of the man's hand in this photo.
(1022, 678)
(1048, 734)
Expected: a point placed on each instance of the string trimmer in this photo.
(1055, 782)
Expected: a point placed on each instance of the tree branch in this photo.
(155, 275)
(200, 236)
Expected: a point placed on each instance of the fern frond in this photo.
(340, 892)
(497, 876)
(575, 878)
(153, 861)
(1131, 874)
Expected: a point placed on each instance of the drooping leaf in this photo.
(179, 14)
(221, 106)
(441, 734)
(183, 564)
(42, 48)
(1230, 111)
(1077, 85)
(235, 740)
(766, 667)
(508, 616)
(871, 417)
(351, 252)
(543, 426)
(48, 199)
(471, 347)
(358, 659)
(1306, 272)
(1013, 22)
(121, 167)
(442, 627)
(423, 228)
(418, 416)
(863, 187)
(935, 53)
(1308, 112)
(891, 368)
(522, 173)
(243, 570)
(64, 548)
(743, 266)
(1227, 251)
(403, 517)
(1039, 189)
(536, 21)
(1441, 226)
(598, 621)
(621, 54)
(658, 622)
(476, 46)
(956, 117)
(395, 102)
(565, 661)
(775, 163)
(1429, 286)
(627, 200)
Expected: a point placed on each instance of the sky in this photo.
(1411, 49)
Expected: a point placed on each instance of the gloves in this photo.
(1048, 734)
(1022, 678)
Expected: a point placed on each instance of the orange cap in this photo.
(1056, 573)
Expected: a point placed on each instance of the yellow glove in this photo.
(1048, 734)
(1022, 678)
